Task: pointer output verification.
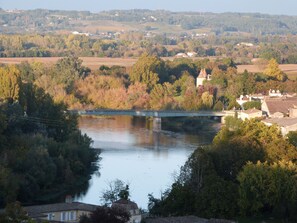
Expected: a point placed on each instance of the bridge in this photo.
(157, 115)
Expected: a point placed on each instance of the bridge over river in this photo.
(157, 115)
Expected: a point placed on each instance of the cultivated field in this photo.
(289, 69)
(91, 62)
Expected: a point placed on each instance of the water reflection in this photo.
(132, 152)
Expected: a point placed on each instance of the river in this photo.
(133, 153)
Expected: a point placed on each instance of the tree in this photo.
(264, 187)
(161, 96)
(274, 71)
(10, 82)
(149, 70)
(68, 70)
(14, 213)
(106, 215)
(292, 137)
(252, 104)
(117, 190)
(207, 100)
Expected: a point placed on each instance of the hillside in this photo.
(159, 21)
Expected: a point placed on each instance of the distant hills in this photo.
(158, 21)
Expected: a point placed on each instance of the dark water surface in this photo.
(133, 153)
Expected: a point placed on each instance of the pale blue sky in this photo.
(287, 7)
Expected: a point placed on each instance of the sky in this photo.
(284, 7)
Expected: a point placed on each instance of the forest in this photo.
(47, 21)
(43, 154)
(249, 171)
(243, 49)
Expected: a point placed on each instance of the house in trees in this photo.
(59, 212)
(130, 207)
(203, 76)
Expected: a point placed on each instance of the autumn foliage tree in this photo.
(10, 82)
(274, 71)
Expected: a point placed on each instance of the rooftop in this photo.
(283, 122)
(251, 111)
(39, 209)
(280, 104)
(203, 73)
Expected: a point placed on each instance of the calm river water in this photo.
(136, 155)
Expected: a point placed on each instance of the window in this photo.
(50, 216)
(64, 216)
(72, 216)
(68, 216)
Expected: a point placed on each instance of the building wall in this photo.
(265, 109)
(287, 129)
(66, 216)
(293, 112)
(199, 81)
(244, 116)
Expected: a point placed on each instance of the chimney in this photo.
(68, 199)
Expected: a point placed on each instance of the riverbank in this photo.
(191, 125)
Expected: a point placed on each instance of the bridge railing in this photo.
(154, 113)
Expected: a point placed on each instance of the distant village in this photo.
(276, 108)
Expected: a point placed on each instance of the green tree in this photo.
(149, 70)
(262, 188)
(292, 137)
(107, 215)
(252, 104)
(14, 213)
(69, 69)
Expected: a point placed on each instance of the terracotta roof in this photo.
(39, 209)
(280, 104)
(202, 74)
(283, 122)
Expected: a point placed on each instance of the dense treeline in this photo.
(43, 155)
(152, 83)
(249, 170)
(133, 44)
(52, 20)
